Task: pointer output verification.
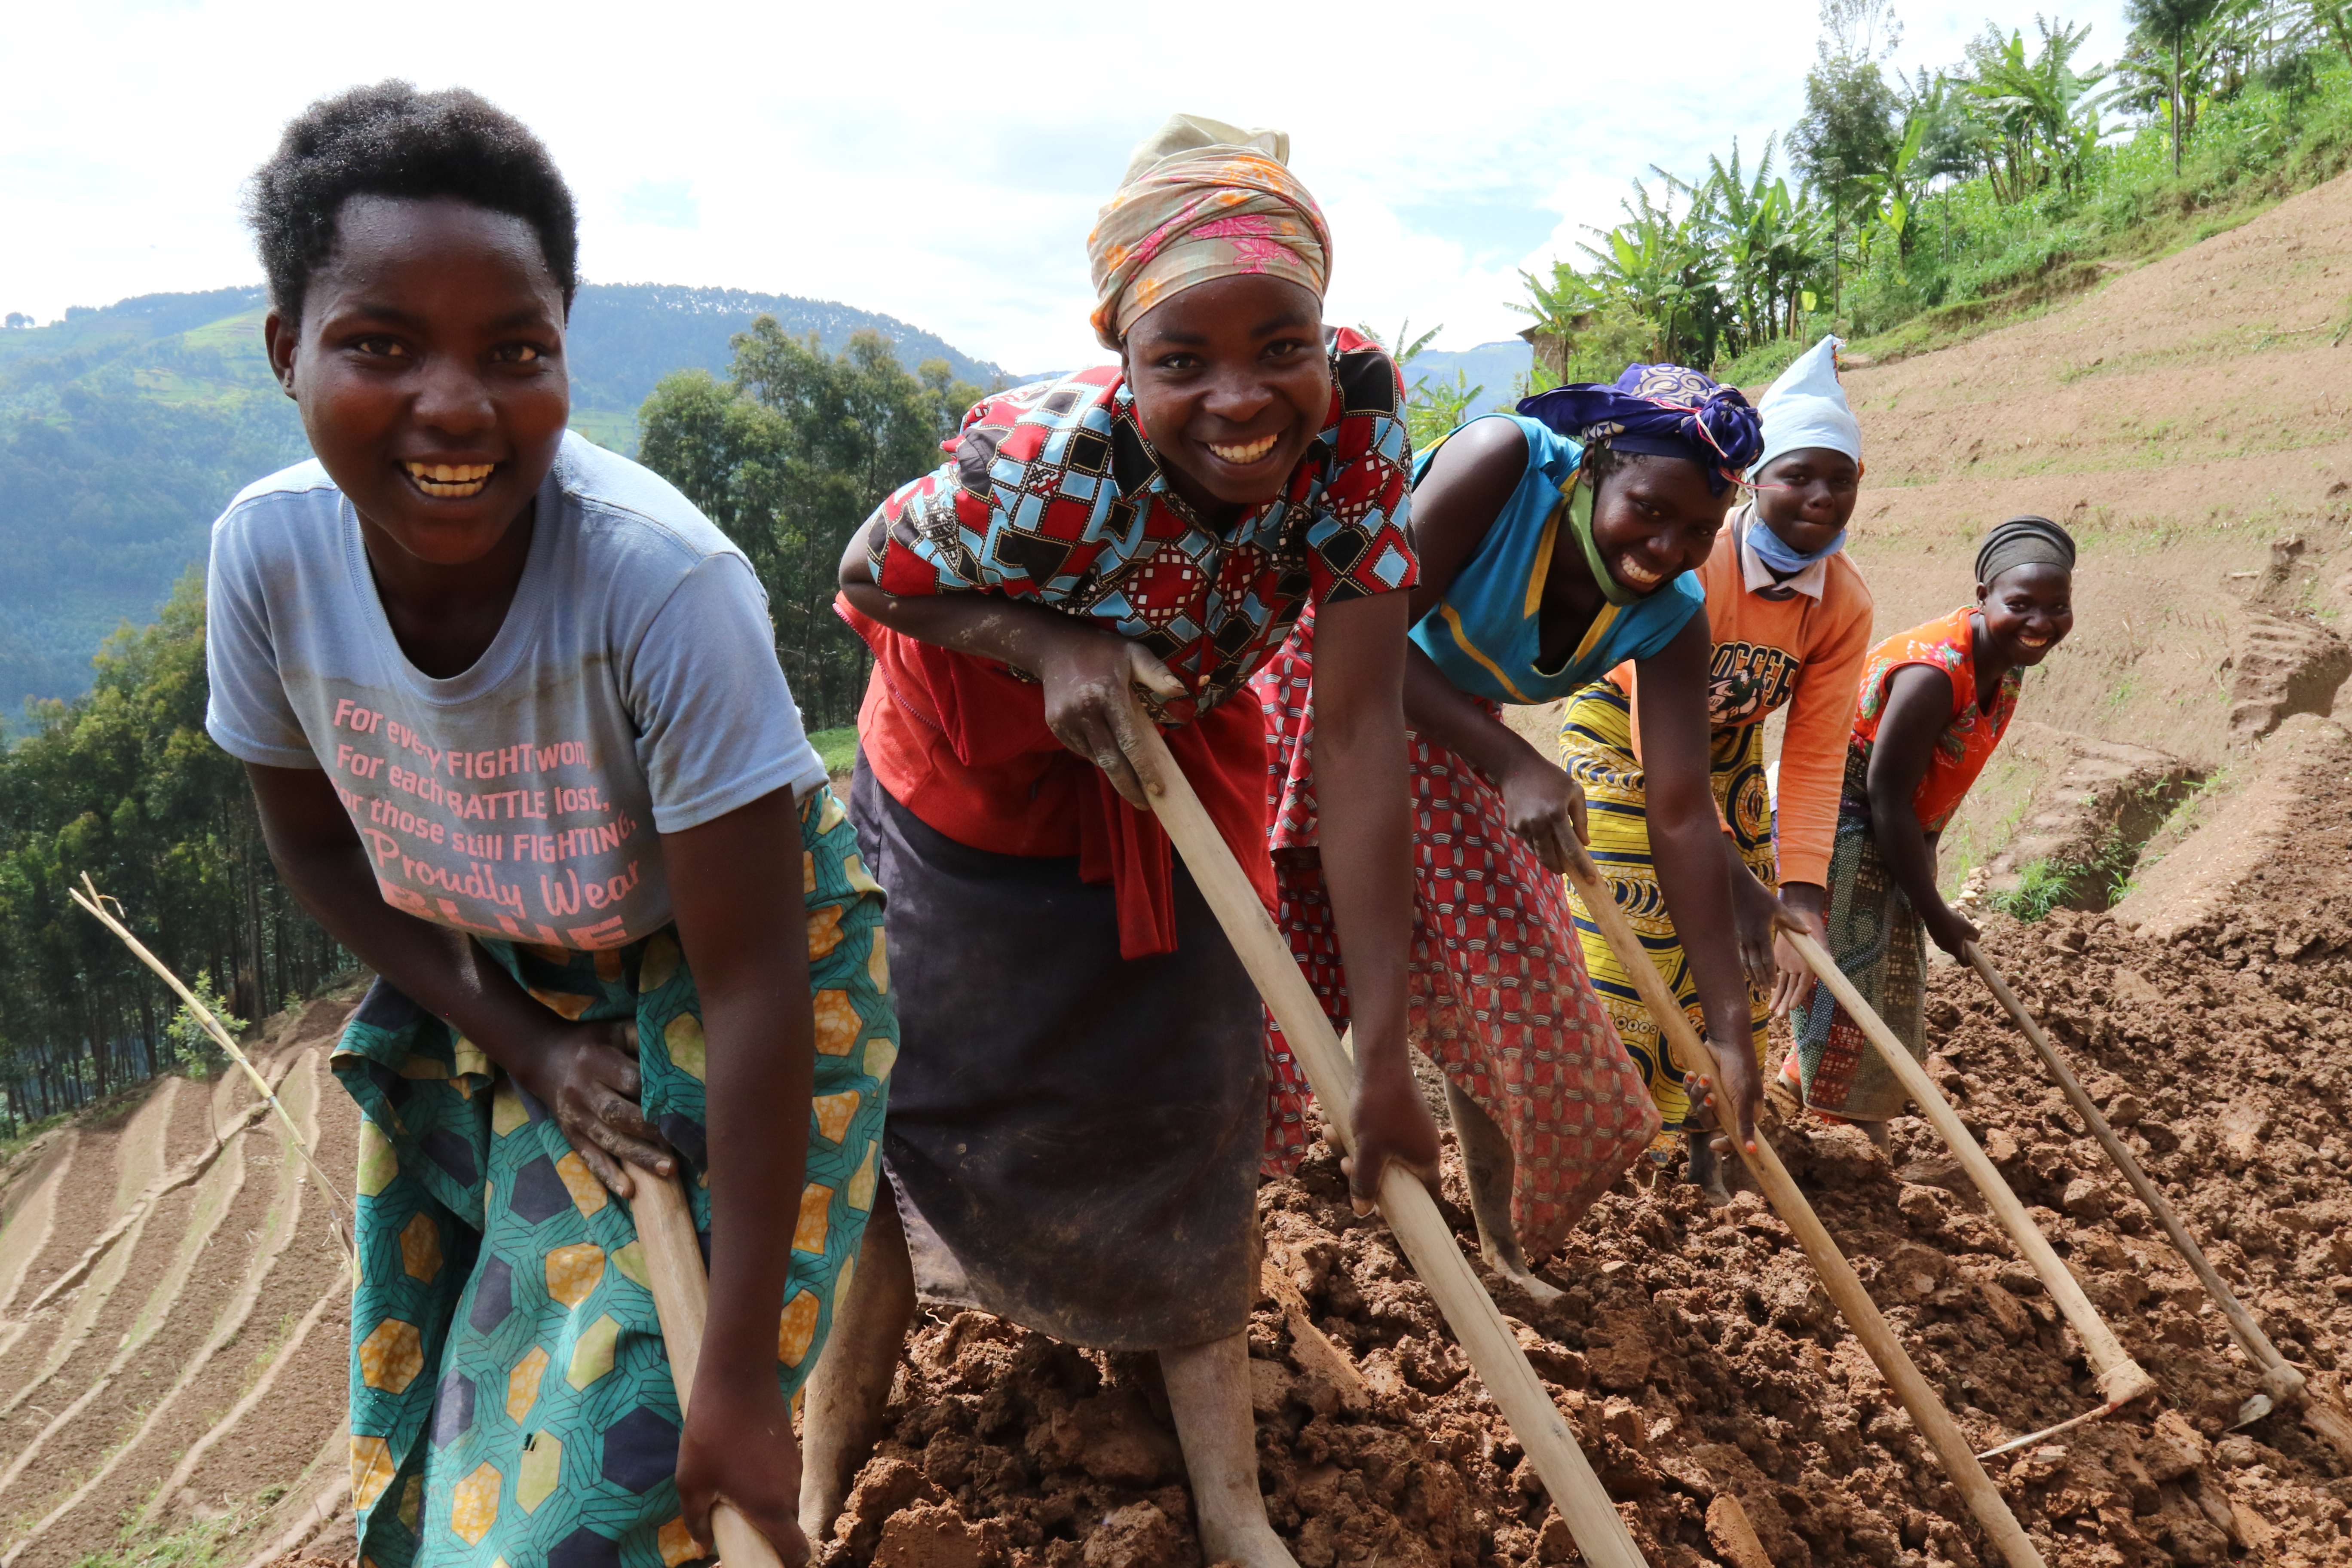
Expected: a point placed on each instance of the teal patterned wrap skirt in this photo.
(511, 1396)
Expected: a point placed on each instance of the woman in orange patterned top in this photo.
(1934, 702)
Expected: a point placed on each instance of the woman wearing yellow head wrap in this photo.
(1081, 1104)
(1202, 200)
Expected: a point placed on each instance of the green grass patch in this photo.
(1978, 264)
(202, 1543)
(2099, 883)
(837, 746)
(614, 430)
(10, 1147)
(2043, 888)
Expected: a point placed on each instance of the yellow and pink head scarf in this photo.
(1202, 200)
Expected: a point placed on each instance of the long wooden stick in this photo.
(2121, 1379)
(96, 904)
(682, 1300)
(2281, 1381)
(1838, 1278)
(1494, 1350)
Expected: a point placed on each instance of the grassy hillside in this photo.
(124, 430)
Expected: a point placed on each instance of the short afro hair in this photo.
(390, 140)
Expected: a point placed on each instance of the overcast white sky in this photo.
(940, 163)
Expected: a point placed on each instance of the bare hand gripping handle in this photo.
(682, 1300)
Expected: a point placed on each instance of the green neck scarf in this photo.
(1579, 523)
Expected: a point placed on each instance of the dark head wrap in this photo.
(1666, 410)
(2024, 541)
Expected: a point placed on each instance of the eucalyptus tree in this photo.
(1850, 124)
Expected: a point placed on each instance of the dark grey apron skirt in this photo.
(1074, 1137)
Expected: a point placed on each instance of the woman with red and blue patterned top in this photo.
(1077, 1117)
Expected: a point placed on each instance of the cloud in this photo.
(661, 204)
(930, 160)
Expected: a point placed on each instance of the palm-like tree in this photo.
(1661, 265)
(1769, 242)
(1892, 189)
(2044, 112)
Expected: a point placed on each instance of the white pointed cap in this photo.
(1807, 408)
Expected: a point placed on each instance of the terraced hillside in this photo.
(173, 1312)
(2191, 421)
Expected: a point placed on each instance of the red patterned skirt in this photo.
(1499, 993)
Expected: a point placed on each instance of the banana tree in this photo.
(1662, 266)
(2045, 110)
(1560, 309)
(1743, 216)
(1890, 189)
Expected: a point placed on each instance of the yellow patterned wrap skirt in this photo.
(1596, 742)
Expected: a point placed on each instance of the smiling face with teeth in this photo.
(1652, 518)
(1232, 384)
(428, 365)
(2028, 611)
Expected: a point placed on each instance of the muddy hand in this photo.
(1390, 1124)
(586, 1076)
(1090, 708)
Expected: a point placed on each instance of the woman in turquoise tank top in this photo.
(1555, 545)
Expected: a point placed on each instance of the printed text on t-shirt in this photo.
(439, 846)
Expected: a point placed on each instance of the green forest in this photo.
(1904, 212)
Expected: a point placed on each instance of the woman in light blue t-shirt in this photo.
(513, 717)
(1555, 545)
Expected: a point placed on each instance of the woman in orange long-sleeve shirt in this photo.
(1790, 619)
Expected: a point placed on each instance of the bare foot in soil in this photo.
(1707, 1167)
(1487, 1166)
(1209, 1395)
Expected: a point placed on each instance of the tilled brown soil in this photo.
(1698, 1356)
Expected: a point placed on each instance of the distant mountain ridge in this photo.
(1499, 367)
(625, 337)
(125, 429)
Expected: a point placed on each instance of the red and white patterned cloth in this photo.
(1498, 995)
(1054, 494)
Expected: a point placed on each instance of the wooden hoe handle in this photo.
(2121, 1379)
(1494, 1350)
(682, 1300)
(2282, 1380)
(1838, 1278)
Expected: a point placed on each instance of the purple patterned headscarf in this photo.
(1667, 410)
